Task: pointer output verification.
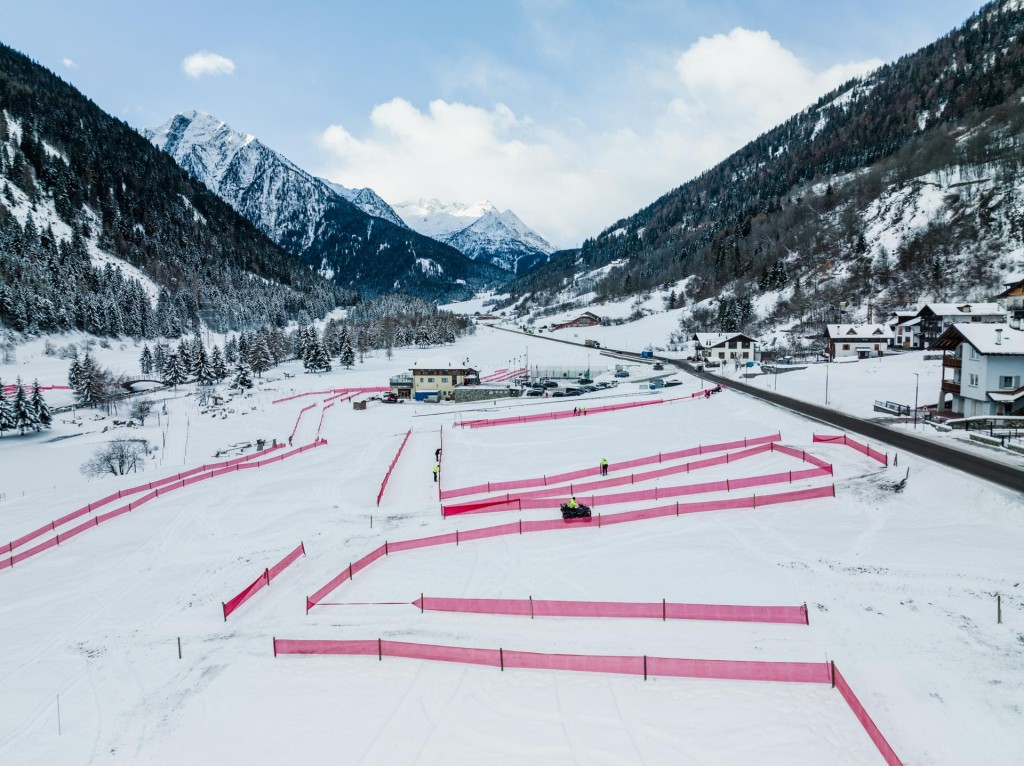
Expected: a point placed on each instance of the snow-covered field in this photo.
(900, 586)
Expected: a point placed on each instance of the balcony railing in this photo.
(952, 362)
(952, 386)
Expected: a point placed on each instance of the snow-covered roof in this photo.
(989, 339)
(853, 331)
(440, 364)
(910, 322)
(710, 339)
(964, 309)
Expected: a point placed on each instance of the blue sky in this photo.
(571, 112)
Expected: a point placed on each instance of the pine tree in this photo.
(348, 355)
(217, 364)
(74, 373)
(201, 370)
(316, 357)
(174, 371)
(146, 361)
(259, 355)
(24, 413)
(6, 411)
(243, 376)
(89, 382)
(42, 412)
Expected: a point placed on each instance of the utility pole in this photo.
(917, 383)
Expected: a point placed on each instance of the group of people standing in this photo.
(579, 411)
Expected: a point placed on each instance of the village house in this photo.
(936, 317)
(586, 319)
(435, 378)
(1013, 301)
(861, 341)
(905, 326)
(985, 363)
(726, 345)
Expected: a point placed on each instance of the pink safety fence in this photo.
(158, 488)
(560, 414)
(353, 391)
(298, 420)
(635, 665)
(864, 449)
(394, 462)
(10, 389)
(522, 527)
(500, 376)
(613, 468)
(658, 610)
(861, 714)
(262, 581)
(552, 496)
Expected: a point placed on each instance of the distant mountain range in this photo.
(480, 231)
(317, 222)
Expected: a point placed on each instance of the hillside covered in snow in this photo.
(899, 187)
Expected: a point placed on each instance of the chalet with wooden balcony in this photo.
(982, 369)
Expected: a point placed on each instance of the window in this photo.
(1009, 381)
(972, 379)
(846, 347)
(721, 355)
(430, 380)
(974, 354)
(732, 344)
(444, 379)
(746, 344)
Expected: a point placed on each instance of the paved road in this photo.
(992, 470)
(976, 465)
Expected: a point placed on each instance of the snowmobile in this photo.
(581, 511)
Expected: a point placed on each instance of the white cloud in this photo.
(204, 63)
(568, 180)
(68, 63)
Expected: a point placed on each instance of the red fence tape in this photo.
(162, 488)
(158, 484)
(394, 462)
(660, 610)
(592, 471)
(353, 391)
(883, 746)
(522, 527)
(262, 581)
(558, 415)
(864, 449)
(675, 667)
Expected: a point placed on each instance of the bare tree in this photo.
(117, 458)
(141, 410)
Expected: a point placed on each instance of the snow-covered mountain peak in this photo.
(480, 230)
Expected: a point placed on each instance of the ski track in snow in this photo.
(900, 589)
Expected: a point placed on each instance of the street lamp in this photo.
(917, 383)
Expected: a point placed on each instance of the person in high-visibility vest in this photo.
(572, 503)
(604, 466)
(437, 470)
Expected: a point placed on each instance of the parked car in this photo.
(535, 392)
(550, 384)
(588, 389)
(592, 343)
(584, 381)
(622, 374)
(670, 383)
(558, 393)
(659, 366)
(573, 391)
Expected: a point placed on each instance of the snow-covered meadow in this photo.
(900, 587)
